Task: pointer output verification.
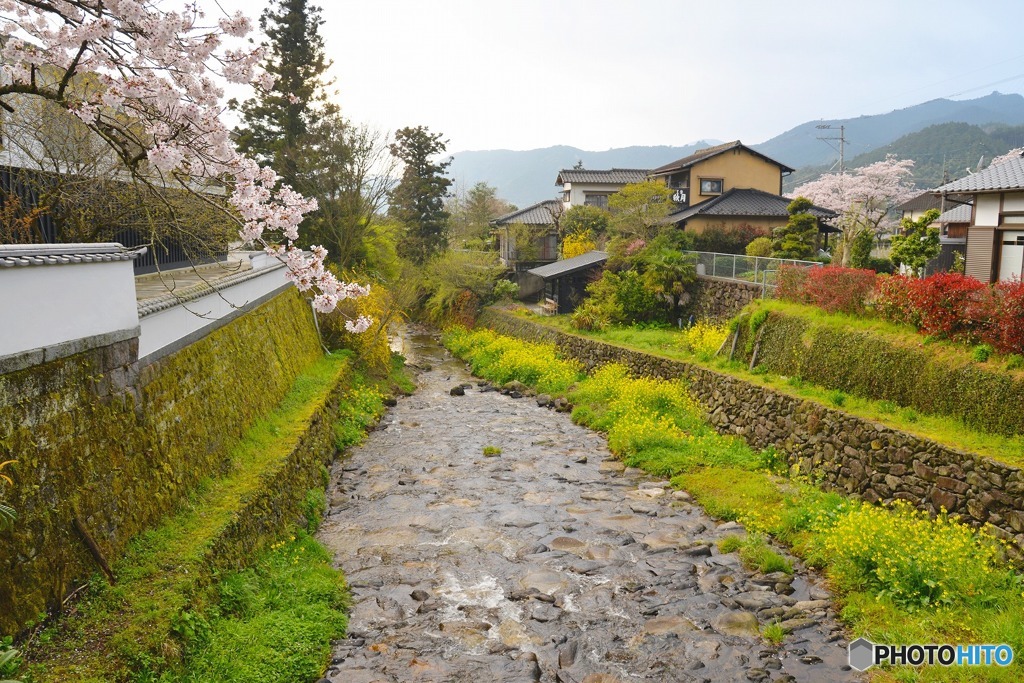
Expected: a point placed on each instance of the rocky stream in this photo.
(548, 561)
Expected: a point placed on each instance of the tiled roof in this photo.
(707, 153)
(958, 214)
(624, 176)
(201, 289)
(922, 202)
(12, 255)
(746, 204)
(537, 214)
(1008, 175)
(569, 265)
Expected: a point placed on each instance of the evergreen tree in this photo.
(418, 199)
(275, 122)
(796, 239)
(917, 243)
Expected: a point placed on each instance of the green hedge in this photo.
(875, 365)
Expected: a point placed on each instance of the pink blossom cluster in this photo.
(864, 197)
(148, 82)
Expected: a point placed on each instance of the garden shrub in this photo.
(791, 284)
(837, 289)
(761, 246)
(894, 299)
(1007, 333)
(944, 302)
(825, 351)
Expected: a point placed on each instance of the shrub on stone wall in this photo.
(827, 352)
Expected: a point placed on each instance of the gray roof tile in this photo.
(540, 213)
(745, 203)
(958, 214)
(922, 202)
(1008, 175)
(707, 153)
(13, 255)
(615, 175)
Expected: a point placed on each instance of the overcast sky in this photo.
(597, 74)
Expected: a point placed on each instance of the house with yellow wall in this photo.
(729, 185)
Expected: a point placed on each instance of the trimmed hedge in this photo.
(877, 366)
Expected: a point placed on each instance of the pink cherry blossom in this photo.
(157, 104)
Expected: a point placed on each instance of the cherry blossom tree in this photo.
(148, 82)
(864, 198)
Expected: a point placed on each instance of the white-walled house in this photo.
(582, 187)
(995, 234)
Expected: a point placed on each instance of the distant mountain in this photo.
(527, 177)
(800, 146)
(945, 150)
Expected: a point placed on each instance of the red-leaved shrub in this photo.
(894, 299)
(1006, 333)
(839, 290)
(944, 303)
(790, 284)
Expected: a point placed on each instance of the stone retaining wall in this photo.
(718, 299)
(846, 453)
(118, 444)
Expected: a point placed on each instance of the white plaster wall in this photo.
(41, 306)
(1013, 201)
(165, 327)
(578, 190)
(986, 210)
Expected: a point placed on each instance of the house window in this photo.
(598, 200)
(566, 196)
(711, 186)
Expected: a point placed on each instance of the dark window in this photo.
(598, 200)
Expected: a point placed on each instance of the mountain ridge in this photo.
(528, 176)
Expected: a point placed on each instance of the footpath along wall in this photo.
(108, 445)
(845, 452)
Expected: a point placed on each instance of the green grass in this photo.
(898, 576)
(773, 633)
(492, 450)
(272, 623)
(951, 432)
(163, 621)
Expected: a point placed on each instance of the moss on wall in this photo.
(881, 367)
(119, 448)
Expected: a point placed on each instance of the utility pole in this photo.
(842, 143)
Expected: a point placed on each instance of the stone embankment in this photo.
(488, 538)
(842, 451)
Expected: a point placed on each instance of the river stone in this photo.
(544, 580)
(568, 544)
(457, 391)
(736, 624)
(608, 466)
(665, 538)
(601, 678)
(659, 626)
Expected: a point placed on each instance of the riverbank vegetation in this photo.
(694, 345)
(188, 604)
(897, 575)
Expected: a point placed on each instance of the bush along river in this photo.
(488, 538)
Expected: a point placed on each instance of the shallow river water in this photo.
(546, 562)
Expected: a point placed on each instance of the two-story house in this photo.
(584, 187)
(995, 233)
(729, 185)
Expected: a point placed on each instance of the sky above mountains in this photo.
(598, 74)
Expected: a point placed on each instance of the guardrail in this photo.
(759, 270)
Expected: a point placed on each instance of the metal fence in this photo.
(759, 270)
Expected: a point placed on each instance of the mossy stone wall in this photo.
(717, 299)
(875, 366)
(844, 452)
(119, 446)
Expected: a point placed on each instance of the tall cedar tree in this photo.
(275, 122)
(797, 238)
(418, 200)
